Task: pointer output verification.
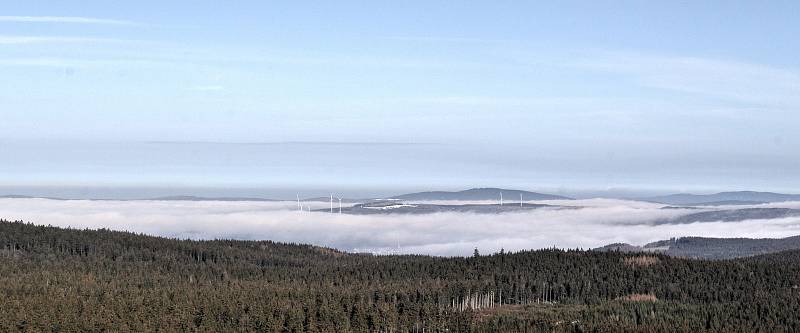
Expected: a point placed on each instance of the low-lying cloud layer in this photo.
(600, 222)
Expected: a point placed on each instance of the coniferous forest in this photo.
(64, 280)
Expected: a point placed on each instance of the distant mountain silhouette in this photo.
(480, 194)
(335, 200)
(723, 198)
(734, 215)
(15, 196)
(729, 203)
(399, 207)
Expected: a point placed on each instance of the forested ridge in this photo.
(54, 279)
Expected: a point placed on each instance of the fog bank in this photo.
(600, 222)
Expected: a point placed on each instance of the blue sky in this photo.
(593, 94)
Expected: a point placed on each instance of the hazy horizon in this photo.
(420, 96)
(130, 170)
(129, 192)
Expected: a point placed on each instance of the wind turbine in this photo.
(520, 199)
(331, 203)
(299, 207)
(501, 198)
(340, 205)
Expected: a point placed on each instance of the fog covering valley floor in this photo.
(84, 280)
(433, 227)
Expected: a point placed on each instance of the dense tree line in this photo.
(54, 279)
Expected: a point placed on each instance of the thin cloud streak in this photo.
(436, 39)
(91, 63)
(17, 40)
(65, 19)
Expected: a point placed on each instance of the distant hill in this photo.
(733, 215)
(335, 200)
(723, 198)
(398, 207)
(711, 248)
(14, 196)
(480, 194)
(729, 203)
(17, 196)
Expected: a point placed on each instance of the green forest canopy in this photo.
(55, 279)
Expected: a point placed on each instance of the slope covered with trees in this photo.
(54, 279)
(711, 248)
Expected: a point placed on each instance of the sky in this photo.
(373, 95)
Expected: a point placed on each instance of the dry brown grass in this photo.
(640, 261)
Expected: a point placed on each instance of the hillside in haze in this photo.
(734, 215)
(711, 248)
(399, 207)
(83, 280)
(479, 194)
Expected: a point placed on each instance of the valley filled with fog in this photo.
(596, 222)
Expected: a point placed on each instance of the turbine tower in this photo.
(501, 198)
(340, 205)
(520, 199)
(331, 203)
(299, 207)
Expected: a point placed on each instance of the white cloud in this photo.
(601, 222)
(14, 40)
(438, 39)
(64, 19)
(41, 62)
(92, 63)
